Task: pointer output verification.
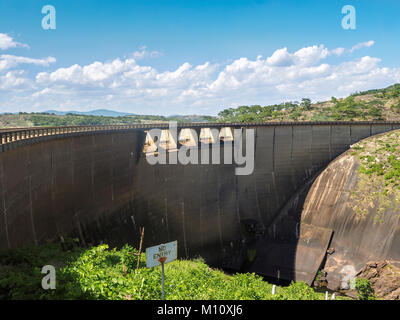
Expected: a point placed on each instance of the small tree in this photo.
(305, 103)
(365, 291)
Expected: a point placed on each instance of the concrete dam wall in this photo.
(96, 184)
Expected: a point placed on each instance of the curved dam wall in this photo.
(98, 186)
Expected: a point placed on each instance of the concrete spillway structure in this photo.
(95, 183)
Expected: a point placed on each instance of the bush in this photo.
(20, 270)
(103, 273)
(365, 291)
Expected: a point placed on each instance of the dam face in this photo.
(95, 183)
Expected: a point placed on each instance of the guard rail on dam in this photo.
(94, 182)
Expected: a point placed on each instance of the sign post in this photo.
(162, 281)
(159, 255)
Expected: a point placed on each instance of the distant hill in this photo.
(377, 104)
(110, 113)
(97, 112)
(96, 117)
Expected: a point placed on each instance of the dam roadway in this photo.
(94, 183)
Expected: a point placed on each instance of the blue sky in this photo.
(180, 57)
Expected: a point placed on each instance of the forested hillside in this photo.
(48, 120)
(380, 104)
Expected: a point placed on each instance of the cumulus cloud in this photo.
(304, 56)
(15, 80)
(7, 42)
(310, 55)
(126, 85)
(280, 58)
(96, 73)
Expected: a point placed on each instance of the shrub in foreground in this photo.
(104, 273)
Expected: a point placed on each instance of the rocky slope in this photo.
(384, 277)
(358, 197)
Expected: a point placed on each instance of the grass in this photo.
(104, 273)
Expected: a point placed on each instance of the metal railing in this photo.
(10, 136)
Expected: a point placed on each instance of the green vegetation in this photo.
(256, 113)
(382, 104)
(379, 104)
(337, 110)
(103, 273)
(365, 291)
(389, 92)
(395, 107)
(46, 120)
(378, 186)
(50, 120)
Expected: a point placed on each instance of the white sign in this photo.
(162, 253)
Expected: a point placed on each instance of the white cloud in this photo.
(361, 45)
(126, 85)
(9, 61)
(338, 51)
(144, 53)
(15, 80)
(7, 42)
(94, 74)
(311, 55)
(280, 58)
(304, 56)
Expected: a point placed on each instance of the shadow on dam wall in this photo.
(99, 187)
